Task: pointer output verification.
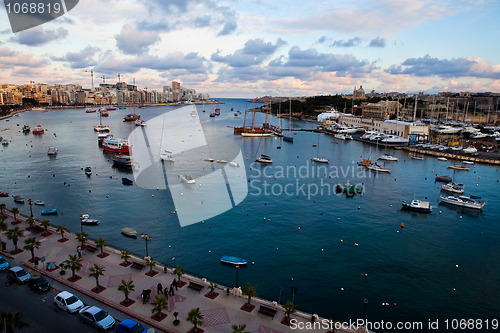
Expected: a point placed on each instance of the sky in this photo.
(252, 48)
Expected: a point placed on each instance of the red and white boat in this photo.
(90, 111)
(38, 130)
(116, 145)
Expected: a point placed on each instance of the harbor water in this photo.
(292, 228)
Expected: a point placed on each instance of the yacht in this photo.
(469, 150)
(417, 205)
(452, 187)
(388, 157)
(52, 150)
(264, 159)
(463, 201)
(187, 178)
(394, 140)
(320, 160)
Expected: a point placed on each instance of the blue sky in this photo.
(252, 48)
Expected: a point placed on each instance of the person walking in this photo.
(165, 292)
(159, 288)
(171, 291)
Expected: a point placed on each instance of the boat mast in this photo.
(397, 118)
(245, 119)
(447, 104)
(415, 111)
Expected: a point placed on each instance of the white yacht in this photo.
(463, 201)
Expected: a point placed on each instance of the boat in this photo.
(110, 109)
(463, 201)
(469, 150)
(256, 133)
(468, 162)
(4, 194)
(452, 187)
(417, 157)
(49, 212)
(340, 136)
(442, 159)
(39, 203)
(132, 117)
(193, 113)
(445, 179)
(187, 178)
(458, 167)
(129, 232)
(85, 219)
(140, 122)
(318, 159)
(90, 111)
(253, 130)
(211, 115)
(88, 171)
(217, 112)
(116, 145)
(123, 161)
(233, 260)
(5, 143)
(349, 189)
(264, 159)
(378, 168)
(388, 157)
(391, 139)
(289, 137)
(418, 206)
(104, 114)
(38, 130)
(208, 159)
(52, 150)
(167, 156)
(101, 128)
(126, 181)
(19, 199)
(26, 129)
(234, 164)
(101, 137)
(222, 161)
(122, 107)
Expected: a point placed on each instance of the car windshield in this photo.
(2, 260)
(21, 273)
(71, 300)
(137, 328)
(41, 282)
(100, 315)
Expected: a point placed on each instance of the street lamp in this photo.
(237, 266)
(30, 202)
(294, 291)
(364, 309)
(146, 238)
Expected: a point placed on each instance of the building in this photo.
(380, 110)
(396, 127)
(358, 93)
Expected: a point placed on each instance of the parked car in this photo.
(68, 302)
(38, 284)
(18, 274)
(97, 317)
(130, 326)
(4, 265)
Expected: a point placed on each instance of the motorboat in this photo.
(187, 178)
(264, 159)
(388, 157)
(417, 157)
(39, 203)
(222, 161)
(320, 160)
(101, 137)
(52, 150)
(469, 150)
(234, 164)
(88, 171)
(129, 232)
(140, 122)
(126, 181)
(193, 113)
(458, 167)
(378, 168)
(49, 212)
(167, 156)
(101, 128)
(391, 139)
(463, 201)
(123, 161)
(90, 111)
(468, 162)
(418, 206)
(233, 260)
(18, 199)
(85, 219)
(38, 130)
(26, 129)
(444, 179)
(442, 159)
(208, 159)
(452, 187)
(116, 145)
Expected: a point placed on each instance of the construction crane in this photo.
(91, 77)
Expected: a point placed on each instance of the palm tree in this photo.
(31, 245)
(239, 328)
(14, 212)
(2, 208)
(151, 263)
(61, 229)
(195, 317)
(14, 235)
(45, 224)
(126, 256)
(179, 271)
(3, 227)
(82, 237)
(96, 272)
(74, 263)
(11, 320)
(126, 287)
(31, 221)
(289, 309)
(100, 243)
(249, 290)
(212, 288)
(160, 304)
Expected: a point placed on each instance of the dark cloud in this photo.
(348, 43)
(135, 41)
(81, 59)
(322, 40)
(254, 52)
(228, 28)
(38, 36)
(377, 42)
(429, 66)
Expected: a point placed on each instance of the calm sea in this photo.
(292, 228)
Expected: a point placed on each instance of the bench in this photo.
(267, 311)
(137, 265)
(91, 248)
(195, 286)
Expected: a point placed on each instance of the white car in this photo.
(18, 274)
(96, 317)
(68, 302)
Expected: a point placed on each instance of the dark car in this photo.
(18, 274)
(38, 284)
(130, 326)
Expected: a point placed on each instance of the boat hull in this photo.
(229, 260)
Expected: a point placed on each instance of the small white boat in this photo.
(264, 159)
(417, 157)
(52, 150)
(129, 232)
(452, 187)
(222, 161)
(463, 201)
(187, 178)
(85, 219)
(468, 162)
(442, 159)
(378, 168)
(320, 160)
(469, 150)
(167, 156)
(101, 128)
(193, 113)
(39, 203)
(388, 157)
(140, 122)
(458, 167)
(234, 164)
(208, 159)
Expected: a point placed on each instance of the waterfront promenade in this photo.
(219, 313)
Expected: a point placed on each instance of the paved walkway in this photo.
(219, 313)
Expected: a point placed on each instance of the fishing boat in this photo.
(452, 187)
(129, 232)
(26, 129)
(458, 167)
(388, 157)
(132, 117)
(122, 161)
(126, 181)
(116, 145)
(18, 199)
(233, 260)
(463, 201)
(444, 179)
(49, 212)
(88, 171)
(52, 150)
(39, 203)
(86, 220)
(418, 206)
(101, 128)
(38, 130)
(264, 159)
(187, 178)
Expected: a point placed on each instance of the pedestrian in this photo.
(159, 288)
(171, 291)
(84, 248)
(79, 252)
(165, 292)
(174, 283)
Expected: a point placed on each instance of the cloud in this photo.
(81, 59)
(135, 41)
(153, 26)
(229, 27)
(429, 66)
(202, 21)
(9, 59)
(377, 42)
(254, 52)
(38, 36)
(348, 43)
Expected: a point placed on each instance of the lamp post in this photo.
(146, 238)
(365, 302)
(173, 258)
(294, 291)
(30, 202)
(237, 266)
